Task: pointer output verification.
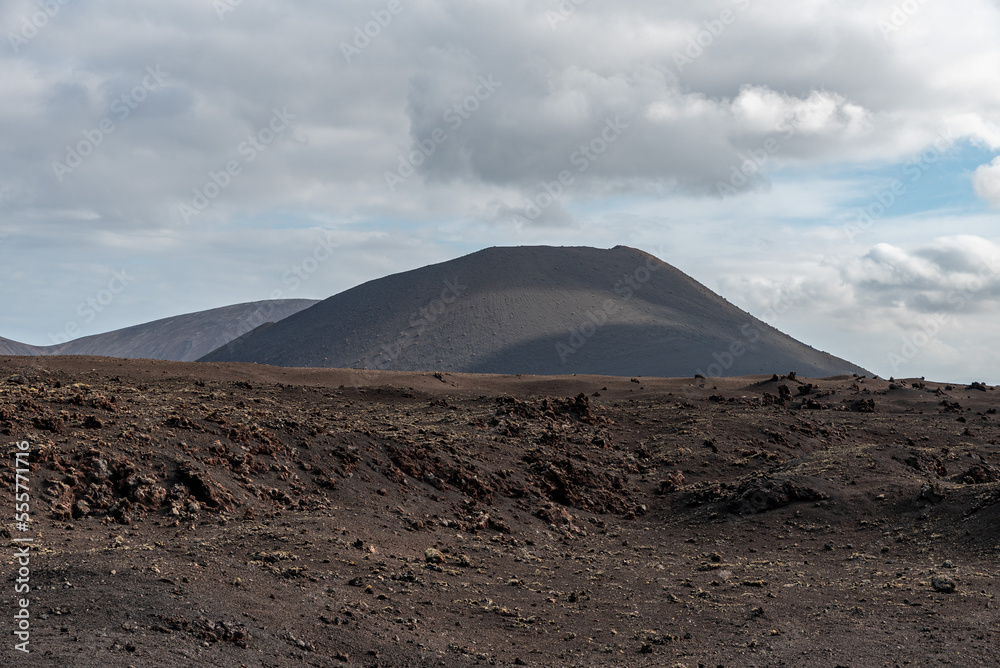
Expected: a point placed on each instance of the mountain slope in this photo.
(8, 347)
(538, 310)
(182, 338)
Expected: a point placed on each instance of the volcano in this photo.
(534, 310)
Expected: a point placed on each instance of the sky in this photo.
(829, 166)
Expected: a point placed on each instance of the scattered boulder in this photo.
(209, 631)
(980, 474)
(700, 493)
(763, 494)
(932, 492)
(863, 406)
(203, 487)
(80, 509)
(674, 482)
(943, 584)
(554, 514)
(925, 463)
(49, 423)
(93, 422)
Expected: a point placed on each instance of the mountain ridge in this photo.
(535, 310)
(180, 338)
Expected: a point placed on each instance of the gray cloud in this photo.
(687, 128)
(952, 274)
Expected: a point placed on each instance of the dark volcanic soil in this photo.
(231, 515)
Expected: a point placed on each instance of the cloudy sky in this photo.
(830, 166)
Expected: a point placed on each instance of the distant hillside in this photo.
(8, 347)
(534, 310)
(182, 338)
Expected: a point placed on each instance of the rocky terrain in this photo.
(241, 515)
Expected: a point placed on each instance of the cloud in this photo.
(687, 127)
(950, 274)
(886, 267)
(987, 182)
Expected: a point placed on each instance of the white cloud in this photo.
(886, 266)
(987, 182)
